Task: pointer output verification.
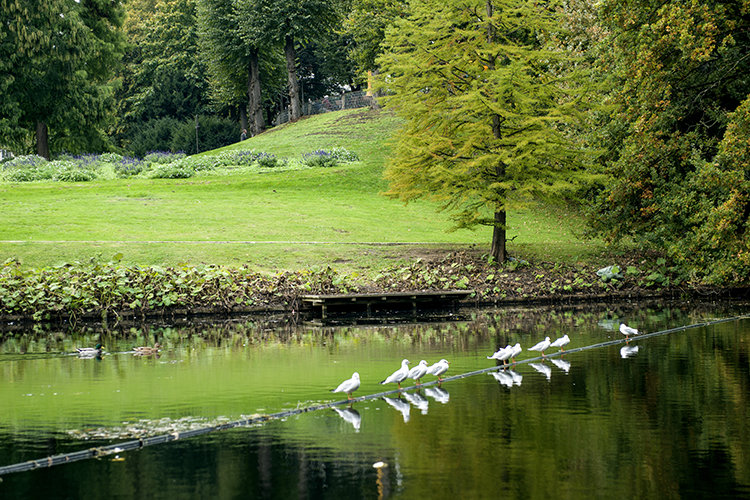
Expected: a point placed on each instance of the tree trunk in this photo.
(498, 237)
(42, 140)
(243, 118)
(255, 103)
(291, 69)
(498, 229)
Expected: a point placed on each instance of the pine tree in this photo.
(472, 80)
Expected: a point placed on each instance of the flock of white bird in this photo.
(504, 354)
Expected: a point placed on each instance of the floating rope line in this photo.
(137, 444)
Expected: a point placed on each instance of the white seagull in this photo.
(628, 331)
(502, 354)
(561, 342)
(438, 369)
(515, 352)
(348, 386)
(399, 375)
(418, 371)
(541, 346)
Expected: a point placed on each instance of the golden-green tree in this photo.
(473, 80)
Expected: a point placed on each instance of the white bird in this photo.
(541, 346)
(502, 354)
(418, 371)
(561, 342)
(628, 331)
(515, 352)
(348, 386)
(399, 375)
(439, 368)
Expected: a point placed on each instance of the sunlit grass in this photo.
(283, 220)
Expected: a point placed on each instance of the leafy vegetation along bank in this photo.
(113, 291)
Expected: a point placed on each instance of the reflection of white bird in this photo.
(400, 405)
(502, 377)
(628, 351)
(561, 364)
(628, 331)
(541, 346)
(515, 352)
(502, 354)
(561, 342)
(399, 375)
(438, 394)
(439, 368)
(517, 377)
(348, 386)
(418, 371)
(543, 369)
(350, 415)
(418, 401)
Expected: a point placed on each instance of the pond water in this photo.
(666, 417)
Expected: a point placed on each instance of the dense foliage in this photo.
(678, 138)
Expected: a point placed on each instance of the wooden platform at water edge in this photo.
(375, 304)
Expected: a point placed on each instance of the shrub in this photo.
(68, 171)
(265, 160)
(342, 154)
(177, 170)
(110, 158)
(129, 166)
(163, 157)
(319, 158)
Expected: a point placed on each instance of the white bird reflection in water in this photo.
(503, 378)
(350, 415)
(561, 364)
(517, 377)
(438, 394)
(628, 351)
(400, 405)
(418, 401)
(543, 369)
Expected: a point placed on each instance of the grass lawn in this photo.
(284, 220)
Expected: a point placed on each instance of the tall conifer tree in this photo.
(471, 79)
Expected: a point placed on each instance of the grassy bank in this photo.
(274, 221)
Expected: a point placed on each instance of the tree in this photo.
(471, 79)
(163, 76)
(366, 23)
(292, 23)
(678, 183)
(59, 56)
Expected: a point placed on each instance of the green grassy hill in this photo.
(279, 220)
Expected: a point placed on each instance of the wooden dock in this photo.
(371, 305)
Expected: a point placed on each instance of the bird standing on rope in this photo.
(399, 375)
(561, 342)
(502, 354)
(418, 371)
(541, 346)
(628, 331)
(438, 369)
(348, 386)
